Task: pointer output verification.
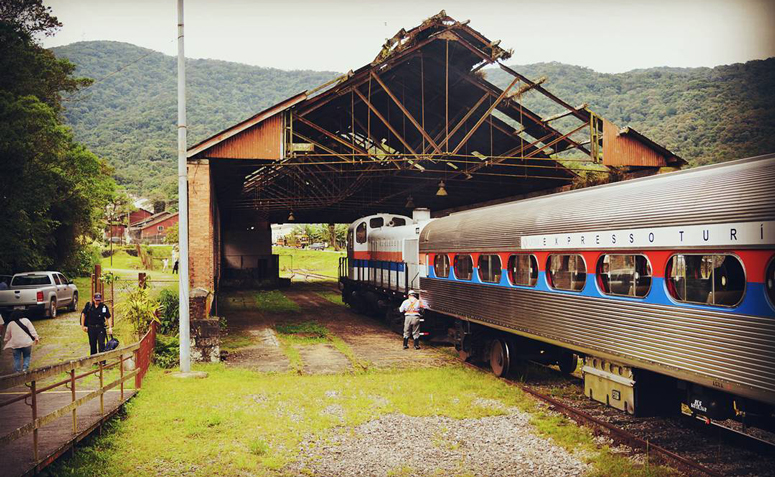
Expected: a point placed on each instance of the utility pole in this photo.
(185, 332)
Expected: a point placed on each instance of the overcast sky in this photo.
(605, 35)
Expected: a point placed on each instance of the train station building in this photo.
(419, 126)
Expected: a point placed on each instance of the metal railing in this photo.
(140, 352)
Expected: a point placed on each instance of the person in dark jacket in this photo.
(95, 317)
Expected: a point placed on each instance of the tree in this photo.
(53, 206)
(173, 234)
(29, 17)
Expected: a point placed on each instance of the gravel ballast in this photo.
(401, 445)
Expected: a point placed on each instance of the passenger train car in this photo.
(665, 285)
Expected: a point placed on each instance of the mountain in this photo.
(704, 115)
(129, 114)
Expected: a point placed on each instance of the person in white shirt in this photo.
(20, 336)
(411, 309)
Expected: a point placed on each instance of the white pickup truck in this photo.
(40, 293)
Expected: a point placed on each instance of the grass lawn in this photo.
(332, 296)
(238, 422)
(124, 264)
(323, 262)
(241, 422)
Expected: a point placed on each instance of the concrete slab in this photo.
(323, 358)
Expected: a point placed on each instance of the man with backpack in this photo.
(95, 317)
(20, 336)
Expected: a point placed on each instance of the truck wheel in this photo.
(500, 357)
(568, 362)
(52, 308)
(74, 304)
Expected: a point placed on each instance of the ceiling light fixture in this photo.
(291, 218)
(442, 191)
(409, 203)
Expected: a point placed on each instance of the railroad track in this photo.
(740, 445)
(620, 436)
(656, 452)
(307, 274)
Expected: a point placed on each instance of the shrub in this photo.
(82, 262)
(166, 354)
(169, 318)
(140, 309)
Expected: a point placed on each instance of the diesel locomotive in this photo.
(664, 286)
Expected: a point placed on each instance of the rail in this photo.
(140, 352)
(619, 435)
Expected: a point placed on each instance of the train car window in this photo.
(566, 272)
(464, 267)
(706, 279)
(441, 265)
(490, 268)
(624, 275)
(360, 233)
(523, 270)
(376, 222)
(770, 281)
(398, 221)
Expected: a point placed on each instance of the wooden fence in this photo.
(138, 354)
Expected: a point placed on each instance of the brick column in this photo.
(201, 244)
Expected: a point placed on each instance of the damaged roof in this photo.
(384, 137)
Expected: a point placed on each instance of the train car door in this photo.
(411, 257)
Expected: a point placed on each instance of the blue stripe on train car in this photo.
(385, 265)
(379, 264)
(754, 301)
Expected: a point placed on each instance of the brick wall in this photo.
(201, 243)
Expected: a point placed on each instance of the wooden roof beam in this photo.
(406, 112)
(331, 135)
(386, 123)
(581, 114)
(483, 117)
(564, 114)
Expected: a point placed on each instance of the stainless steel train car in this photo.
(664, 285)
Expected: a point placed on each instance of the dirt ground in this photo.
(372, 343)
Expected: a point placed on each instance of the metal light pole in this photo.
(185, 340)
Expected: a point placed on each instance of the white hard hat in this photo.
(412, 292)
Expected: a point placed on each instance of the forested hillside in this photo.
(129, 115)
(704, 115)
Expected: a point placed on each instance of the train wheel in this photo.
(500, 357)
(568, 362)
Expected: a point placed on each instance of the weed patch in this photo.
(305, 329)
(333, 297)
(273, 301)
(232, 342)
